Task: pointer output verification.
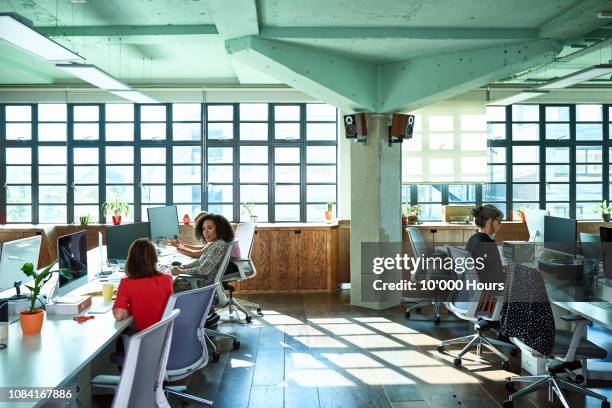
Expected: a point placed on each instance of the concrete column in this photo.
(375, 211)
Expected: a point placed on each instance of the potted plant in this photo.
(115, 207)
(186, 219)
(413, 213)
(604, 210)
(84, 219)
(31, 320)
(521, 213)
(329, 215)
(249, 209)
(405, 212)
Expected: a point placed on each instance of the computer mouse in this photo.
(176, 263)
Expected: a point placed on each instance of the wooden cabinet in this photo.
(294, 259)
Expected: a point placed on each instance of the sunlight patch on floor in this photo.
(372, 341)
(320, 378)
(351, 360)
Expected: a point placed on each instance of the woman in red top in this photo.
(144, 292)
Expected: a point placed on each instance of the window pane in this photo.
(18, 194)
(461, 193)
(120, 132)
(589, 131)
(254, 193)
(186, 131)
(253, 131)
(525, 113)
(525, 192)
(316, 212)
(321, 131)
(119, 174)
(558, 209)
(287, 212)
(557, 131)
(86, 194)
(187, 154)
(584, 211)
(494, 192)
(320, 112)
(497, 155)
(51, 214)
(287, 174)
(153, 131)
(52, 175)
(557, 172)
(219, 193)
(153, 155)
(52, 194)
(220, 131)
(321, 154)
(557, 155)
(85, 155)
(86, 131)
(315, 193)
(496, 131)
(588, 154)
(191, 210)
(287, 194)
(588, 113)
(220, 112)
(19, 213)
(429, 193)
(52, 112)
(589, 191)
(52, 155)
(441, 141)
(557, 192)
(86, 175)
(18, 131)
(119, 155)
(220, 155)
(525, 131)
(81, 210)
(253, 154)
(590, 172)
(525, 154)
(125, 193)
(225, 210)
(287, 155)
(55, 132)
(253, 174)
(287, 112)
(253, 111)
(440, 123)
(431, 212)
(557, 113)
(321, 174)
(287, 131)
(119, 112)
(525, 173)
(187, 194)
(18, 174)
(187, 174)
(88, 113)
(153, 113)
(186, 111)
(496, 113)
(18, 113)
(153, 194)
(220, 174)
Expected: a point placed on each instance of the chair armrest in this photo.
(575, 318)
(579, 330)
(106, 381)
(187, 276)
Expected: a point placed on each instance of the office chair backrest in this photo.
(221, 271)
(145, 365)
(416, 242)
(245, 231)
(188, 349)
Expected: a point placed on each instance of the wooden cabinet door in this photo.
(313, 259)
(284, 259)
(260, 255)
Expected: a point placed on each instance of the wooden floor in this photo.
(319, 351)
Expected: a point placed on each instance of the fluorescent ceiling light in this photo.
(579, 76)
(95, 76)
(134, 96)
(519, 97)
(22, 36)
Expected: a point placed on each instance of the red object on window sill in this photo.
(186, 219)
(116, 219)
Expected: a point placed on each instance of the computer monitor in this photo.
(72, 255)
(14, 255)
(560, 234)
(163, 221)
(120, 237)
(591, 246)
(605, 234)
(535, 223)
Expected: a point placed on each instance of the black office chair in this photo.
(529, 322)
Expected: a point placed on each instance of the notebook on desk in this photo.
(101, 307)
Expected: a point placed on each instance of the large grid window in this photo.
(63, 161)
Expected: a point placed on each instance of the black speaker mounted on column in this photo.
(401, 128)
(355, 126)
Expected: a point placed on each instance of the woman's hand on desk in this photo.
(175, 270)
(120, 314)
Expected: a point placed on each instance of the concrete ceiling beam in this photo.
(343, 82)
(415, 83)
(125, 30)
(577, 21)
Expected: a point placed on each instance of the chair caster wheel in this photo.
(605, 404)
(440, 349)
(259, 311)
(508, 404)
(579, 379)
(248, 319)
(215, 356)
(236, 345)
(457, 362)
(407, 315)
(505, 365)
(437, 320)
(514, 352)
(510, 386)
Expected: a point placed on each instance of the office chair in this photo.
(565, 352)
(478, 306)
(245, 232)
(419, 249)
(140, 383)
(188, 349)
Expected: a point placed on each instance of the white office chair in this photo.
(241, 257)
(140, 383)
(476, 306)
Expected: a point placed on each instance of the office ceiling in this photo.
(174, 42)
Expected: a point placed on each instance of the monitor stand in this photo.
(18, 295)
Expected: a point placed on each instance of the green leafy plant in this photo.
(330, 206)
(40, 278)
(603, 208)
(115, 207)
(249, 208)
(408, 209)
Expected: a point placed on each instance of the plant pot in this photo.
(605, 217)
(404, 220)
(253, 218)
(84, 219)
(329, 216)
(186, 219)
(412, 219)
(31, 322)
(116, 219)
